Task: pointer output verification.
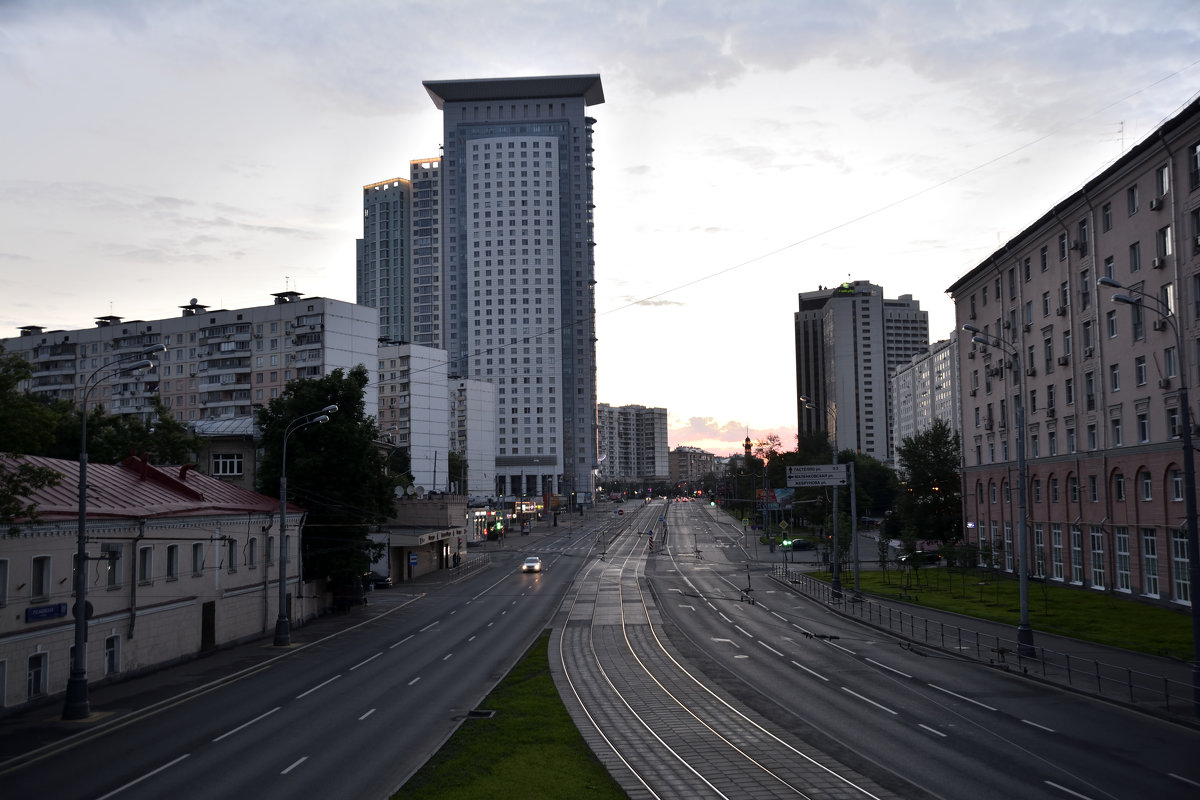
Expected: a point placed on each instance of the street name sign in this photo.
(816, 475)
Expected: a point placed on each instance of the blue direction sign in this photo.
(37, 613)
(816, 475)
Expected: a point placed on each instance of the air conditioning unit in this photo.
(1061, 310)
(1197, 243)
(1075, 244)
(1088, 351)
(1031, 371)
(1156, 204)
(1028, 327)
(973, 392)
(1063, 361)
(970, 354)
(1165, 383)
(1050, 412)
(1159, 324)
(972, 315)
(1158, 262)
(1007, 324)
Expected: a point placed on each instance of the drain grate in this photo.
(481, 713)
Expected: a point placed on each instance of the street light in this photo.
(835, 583)
(283, 634)
(76, 705)
(1189, 467)
(1025, 646)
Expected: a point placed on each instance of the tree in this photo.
(457, 474)
(931, 504)
(28, 423)
(335, 471)
(18, 481)
(114, 437)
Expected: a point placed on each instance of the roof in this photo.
(230, 426)
(137, 489)
(586, 86)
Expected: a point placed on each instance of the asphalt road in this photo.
(349, 715)
(953, 727)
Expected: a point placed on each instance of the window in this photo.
(1121, 545)
(1114, 377)
(1162, 243)
(1093, 489)
(1106, 217)
(1039, 550)
(1056, 550)
(1149, 562)
(1037, 490)
(1135, 256)
(231, 550)
(1194, 167)
(1170, 365)
(1118, 486)
(1110, 323)
(1143, 427)
(1062, 247)
(1173, 430)
(39, 584)
(112, 655)
(145, 564)
(1147, 484)
(1131, 199)
(1176, 486)
(1073, 488)
(1076, 554)
(172, 562)
(1115, 431)
(1054, 490)
(1180, 580)
(113, 565)
(197, 559)
(1162, 181)
(3, 588)
(36, 679)
(1139, 370)
(227, 464)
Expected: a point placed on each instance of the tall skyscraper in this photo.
(382, 277)
(849, 341)
(633, 441)
(516, 259)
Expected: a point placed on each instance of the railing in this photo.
(1143, 689)
(469, 564)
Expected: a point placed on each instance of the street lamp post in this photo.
(76, 704)
(1025, 646)
(1189, 467)
(283, 633)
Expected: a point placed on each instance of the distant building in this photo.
(473, 433)
(633, 440)
(849, 341)
(181, 563)
(1099, 380)
(414, 410)
(228, 449)
(383, 278)
(219, 364)
(690, 464)
(925, 389)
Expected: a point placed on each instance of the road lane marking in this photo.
(839, 647)
(885, 666)
(1040, 727)
(246, 724)
(931, 730)
(1066, 790)
(448, 656)
(772, 649)
(961, 697)
(727, 619)
(867, 700)
(727, 641)
(430, 625)
(150, 774)
(743, 630)
(365, 661)
(1188, 781)
(780, 616)
(318, 686)
(471, 638)
(414, 680)
(402, 641)
(811, 672)
(364, 716)
(295, 764)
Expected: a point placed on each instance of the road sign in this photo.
(783, 525)
(816, 475)
(412, 559)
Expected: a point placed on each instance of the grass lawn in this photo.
(529, 749)
(1080, 613)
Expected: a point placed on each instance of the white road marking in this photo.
(811, 672)
(150, 774)
(364, 716)
(448, 656)
(295, 764)
(1040, 727)
(414, 680)
(885, 666)
(743, 630)
(867, 700)
(727, 641)
(689, 608)
(843, 649)
(318, 686)
(961, 697)
(402, 641)
(427, 627)
(246, 724)
(727, 619)
(1188, 781)
(780, 616)
(931, 730)
(772, 649)
(1066, 790)
(365, 661)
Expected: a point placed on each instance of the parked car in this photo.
(377, 581)
(921, 557)
(532, 564)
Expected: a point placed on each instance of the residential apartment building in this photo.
(849, 341)
(382, 257)
(925, 389)
(633, 441)
(218, 364)
(180, 563)
(473, 433)
(689, 464)
(414, 410)
(517, 258)
(1098, 381)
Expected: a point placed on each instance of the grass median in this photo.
(529, 748)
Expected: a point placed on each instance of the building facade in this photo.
(180, 563)
(849, 341)
(414, 410)
(516, 250)
(925, 389)
(690, 464)
(473, 433)
(1098, 381)
(218, 364)
(633, 441)
(383, 279)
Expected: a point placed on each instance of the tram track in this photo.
(654, 721)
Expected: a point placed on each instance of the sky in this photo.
(152, 152)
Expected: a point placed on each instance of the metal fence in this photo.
(1154, 692)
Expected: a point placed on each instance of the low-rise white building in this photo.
(178, 563)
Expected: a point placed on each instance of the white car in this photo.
(532, 564)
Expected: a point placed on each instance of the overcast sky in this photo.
(153, 152)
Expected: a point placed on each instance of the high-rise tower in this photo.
(518, 271)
